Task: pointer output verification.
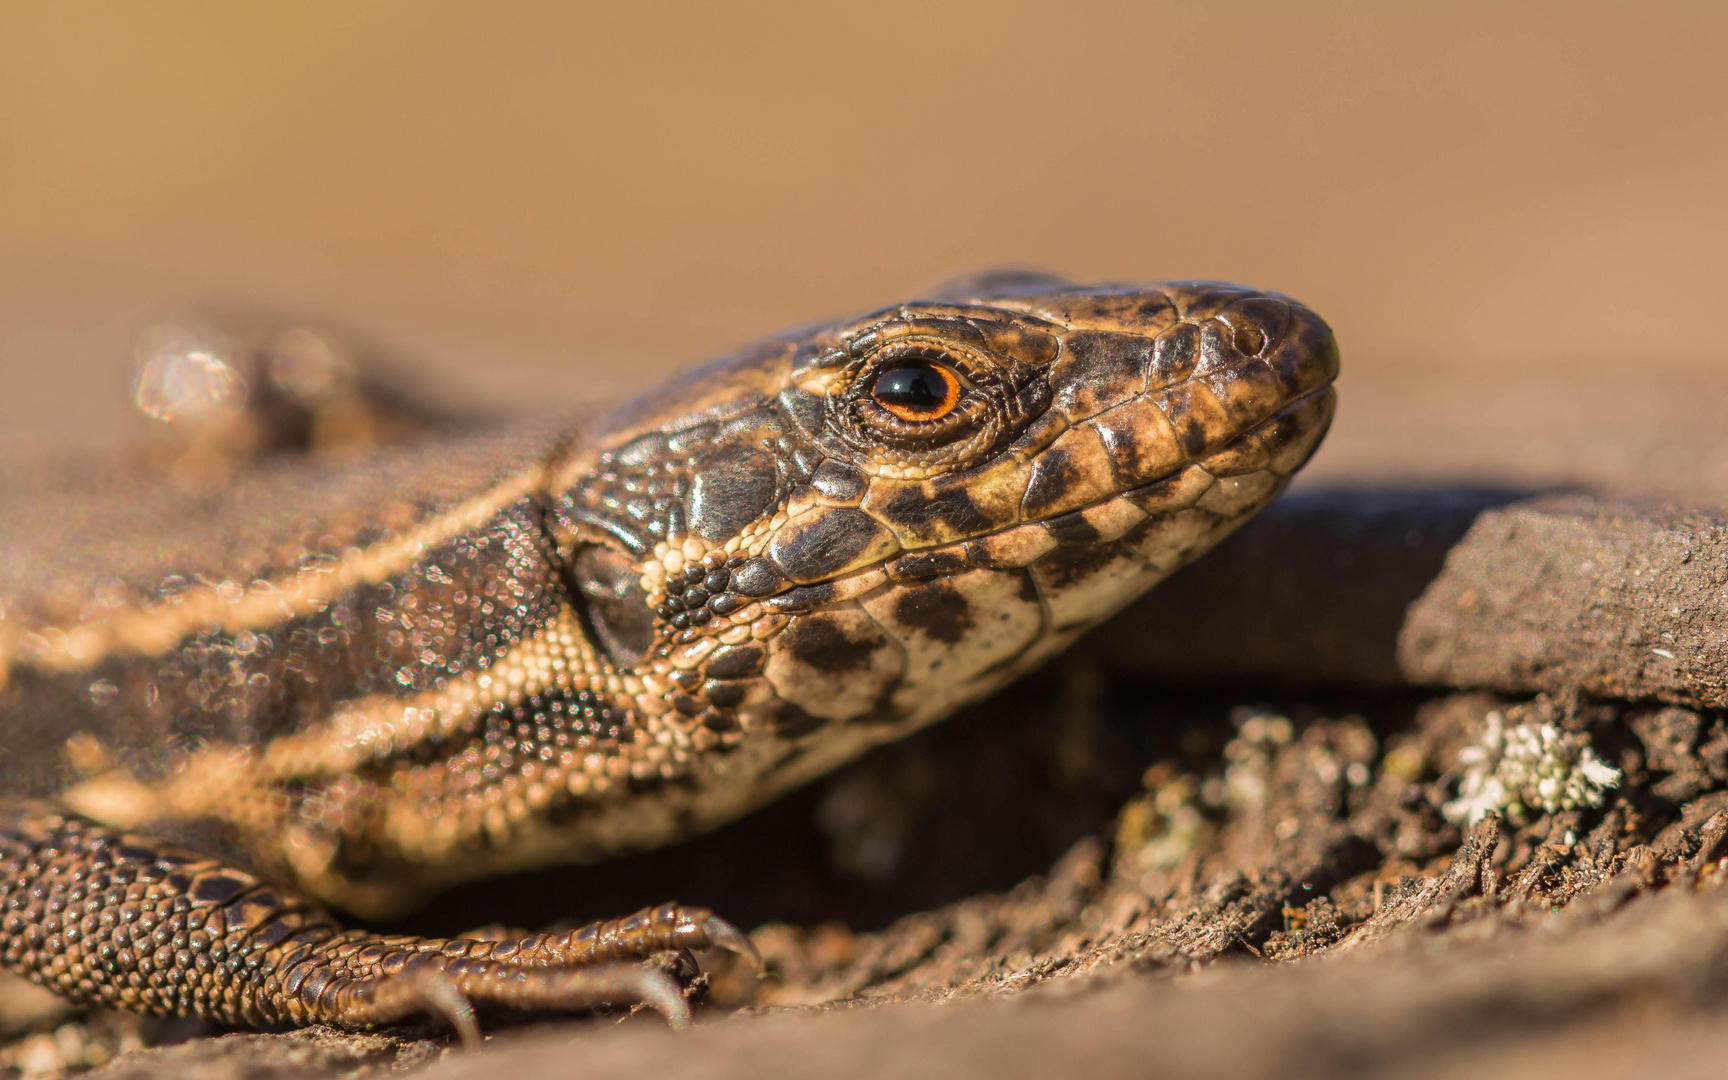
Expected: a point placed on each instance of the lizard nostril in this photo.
(1250, 340)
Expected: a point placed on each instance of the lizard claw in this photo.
(724, 935)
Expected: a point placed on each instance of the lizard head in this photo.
(865, 525)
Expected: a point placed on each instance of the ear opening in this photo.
(607, 591)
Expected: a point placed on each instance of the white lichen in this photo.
(1528, 768)
(1248, 772)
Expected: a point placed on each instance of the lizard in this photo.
(345, 682)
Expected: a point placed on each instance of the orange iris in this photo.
(917, 391)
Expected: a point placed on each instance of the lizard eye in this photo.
(922, 397)
(918, 390)
(617, 608)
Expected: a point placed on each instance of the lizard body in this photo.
(354, 681)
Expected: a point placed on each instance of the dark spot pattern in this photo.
(1072, 528)
(1053, 478)
(1194, 413)
(920, 565)
(1070, 565)
(813, 550)
(935, 516)
(937, 609)
(822, 644)
(217, 889)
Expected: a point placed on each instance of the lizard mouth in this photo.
(1226, 486)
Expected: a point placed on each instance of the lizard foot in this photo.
(124, 920)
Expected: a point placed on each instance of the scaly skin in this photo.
(369, 679)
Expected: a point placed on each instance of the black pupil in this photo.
(916, 386)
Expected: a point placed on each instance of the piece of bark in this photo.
(1571, 595)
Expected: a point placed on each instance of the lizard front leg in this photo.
(119, 919)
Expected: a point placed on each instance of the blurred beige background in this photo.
(548, 202)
